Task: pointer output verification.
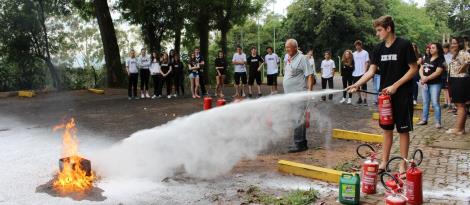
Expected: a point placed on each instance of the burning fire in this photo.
(75, 175)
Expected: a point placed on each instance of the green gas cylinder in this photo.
(349, 188)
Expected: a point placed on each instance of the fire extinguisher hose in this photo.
(383, 181)
(387, 168)
(364, 145)
(368, 92)
(418, 160)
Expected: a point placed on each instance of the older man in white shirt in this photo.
(298, 77)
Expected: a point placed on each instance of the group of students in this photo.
(445, 68)
(165, 70)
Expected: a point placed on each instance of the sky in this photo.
(281, 5)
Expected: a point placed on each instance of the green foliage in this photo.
(296, 197)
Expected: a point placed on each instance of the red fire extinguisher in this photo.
(207, 103)
(394, 197)
(414, 178)
(370, 168)
(385, 109)
(307, 119)
(220, 102)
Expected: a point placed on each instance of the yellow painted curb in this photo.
(97, 91)
(309, 171)
(26, 93)
(375, 116)
(352, 135)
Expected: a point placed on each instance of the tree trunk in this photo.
(114, 71)
(223, 40)
(203, 27)
(177, 40)
(54, 75)
(148, 31)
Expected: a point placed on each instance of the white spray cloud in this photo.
(206, 144)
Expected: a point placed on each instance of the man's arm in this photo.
(364, 79)
(310, 82)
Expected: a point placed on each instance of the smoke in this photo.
(209, 143)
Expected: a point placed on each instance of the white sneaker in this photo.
(175, 95)
(154, 96)
(349, 101)
(142, 96)
(147, 95)
(168, 96)
(342, 100)
(415, 102)
(160, 96)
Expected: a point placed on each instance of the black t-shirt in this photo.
(165, 67)
(429, 67)
(177, 67)
(254, 62)
(347, 70)
(193, 64)
(221, 62)
(393, 63)
(199, 59)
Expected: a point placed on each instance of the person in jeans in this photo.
(459, 84)
(327, 73)
(431, 82)
(133, 72)
(347, 68)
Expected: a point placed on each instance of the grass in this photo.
(297, 197)
(351, 167)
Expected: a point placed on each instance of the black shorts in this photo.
(238, 76)
(254, 76)
(272, 79)
(355, 79)
(221, 71)
(459, 89)
(402, 110)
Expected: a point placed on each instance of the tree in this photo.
(232, 12)
(27, 37)
(115, 71)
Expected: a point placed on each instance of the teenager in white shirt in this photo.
(239, 62)
(144, 69)
(157, 77)
(327, 73)
(272, 71)
(133, 73)
(361, 63)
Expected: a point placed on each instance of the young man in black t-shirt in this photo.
(395, 60)
(254, 62)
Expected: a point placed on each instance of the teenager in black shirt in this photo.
(178, 75)
(220, 68)
(255, 62)
(202, 79)
(347, 69)
(395, 60)
(431, 82)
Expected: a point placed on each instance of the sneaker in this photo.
(250, 95)
(349, 101)
(415, 102)
(168, 96)
(147, 95)
(154, 96)
(136, 98)
(174, 95)
(364, 102)
(259, 95)
(342, 101)
(129, 98)
(359, 101)
(438, 126)
(142, 96)
(445, 106)
(160, 96)
(422, 122)
(323, 98)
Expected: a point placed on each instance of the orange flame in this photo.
(72, 178)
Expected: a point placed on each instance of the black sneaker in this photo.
(295, 149)
(359, 101)
(250, 95)
(364, 102)
(323, 98)
(259, 95)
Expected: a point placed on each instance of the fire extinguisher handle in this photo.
(418, 160)
(387, 168)
(383, 181)
(363, 145)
